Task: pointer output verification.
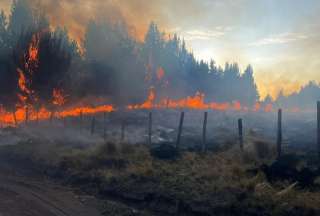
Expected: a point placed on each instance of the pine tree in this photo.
(21, 18)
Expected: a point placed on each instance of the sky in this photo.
(279, 38)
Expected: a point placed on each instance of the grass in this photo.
(216, 183)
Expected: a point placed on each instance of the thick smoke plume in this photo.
(76, 14)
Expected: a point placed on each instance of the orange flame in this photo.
(257, 107)
(7, 118)
(58, 98)
(160, 73)
(33, 51)
(191, 102)
(196, 102)
(268, 108)
(31, 62)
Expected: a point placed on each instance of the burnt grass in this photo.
(134, 181)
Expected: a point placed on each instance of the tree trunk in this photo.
(204, 132)
(180, 131)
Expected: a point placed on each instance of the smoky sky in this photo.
(280, 38)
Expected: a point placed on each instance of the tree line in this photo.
(112, 64)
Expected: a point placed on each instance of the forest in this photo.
(110, 63)
(106, 122)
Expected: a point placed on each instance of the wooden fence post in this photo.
(93, 125)
(150, 129)
(279, 133)
(240, 128)
(37, 116)
(15, 118)
(318, 127)
(80, 119)
(204, 132)
(180, 130)
(104, 126)
(51, 116)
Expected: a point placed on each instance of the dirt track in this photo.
(21, 196)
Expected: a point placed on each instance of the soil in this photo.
(24, 194)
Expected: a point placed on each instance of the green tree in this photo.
(249, 90)
(21, 18)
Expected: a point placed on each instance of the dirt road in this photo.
(24, 196)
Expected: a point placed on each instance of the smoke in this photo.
(136, 14)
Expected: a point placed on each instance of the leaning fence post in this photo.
(80, 119)
(150, 129)
(279, 133)
(15, 118)
(240, 128)
(204, 132)
(318, 127)
(93, 125)
(37, 116)
(51, 116)
(104, 126)
(180, 130)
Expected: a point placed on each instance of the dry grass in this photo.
(203, 182)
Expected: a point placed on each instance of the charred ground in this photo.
(132, 180)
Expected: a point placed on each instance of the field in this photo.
(132, 178)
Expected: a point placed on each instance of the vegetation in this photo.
(217, 183)
(112, 64)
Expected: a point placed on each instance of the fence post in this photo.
(37, 116)
(318, 127)
(240, 128)
(15, 118)
(51, 116)
(204, 132)
(180, 130)
(279, 133)
(150, 129)
(104, 126)
(80, 119)
(93, 124)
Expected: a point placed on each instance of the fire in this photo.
(7, 118)
(268, 108)
(58, 98)
(160, 73)
(195, 102)
(257, 107)
(22, 86)
(27, 97)
(22, 81)
(85, 110)
(33, 51)
(191, 102)
(148, 104)
(31, 63)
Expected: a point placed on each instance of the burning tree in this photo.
(34, 60)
